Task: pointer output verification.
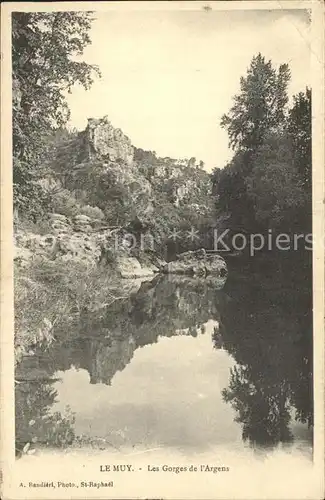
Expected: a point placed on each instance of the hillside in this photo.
(98, 173)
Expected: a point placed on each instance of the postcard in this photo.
(162, 250)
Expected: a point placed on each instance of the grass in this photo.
(51, 295)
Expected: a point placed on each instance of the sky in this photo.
(168, 76)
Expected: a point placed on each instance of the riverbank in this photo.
(65, 267)
(50, 297)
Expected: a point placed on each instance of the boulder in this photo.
(215, 264)
(60, 227)
(198, 263)
(58, 217)
(59, 223)
(199, 269)
(130, 267)
(177, 267)
(82, 219)
(192, 254)
(83, 228)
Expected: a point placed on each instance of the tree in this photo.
(260, 106)
(258, 111)
(229, 187)
(299, 128)
(267, 184)
(279, 182)
(45, 65)
(273, 184)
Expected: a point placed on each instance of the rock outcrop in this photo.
(136, 197)
(103, 141)
(180, 192)
(198, 263)
(78, 239)
(67, 239)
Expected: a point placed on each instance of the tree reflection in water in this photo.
(35, 423)
(268, 332)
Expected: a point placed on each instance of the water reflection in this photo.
(168, 396)
(269, 334)
(180, 363)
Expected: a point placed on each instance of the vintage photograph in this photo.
(163, 238)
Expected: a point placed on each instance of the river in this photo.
(182, 364)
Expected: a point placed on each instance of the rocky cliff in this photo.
(99, 180)
(104, 142)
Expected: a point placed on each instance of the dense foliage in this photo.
(45, 65)
(267, 184)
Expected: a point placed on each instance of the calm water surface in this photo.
(181, 364)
